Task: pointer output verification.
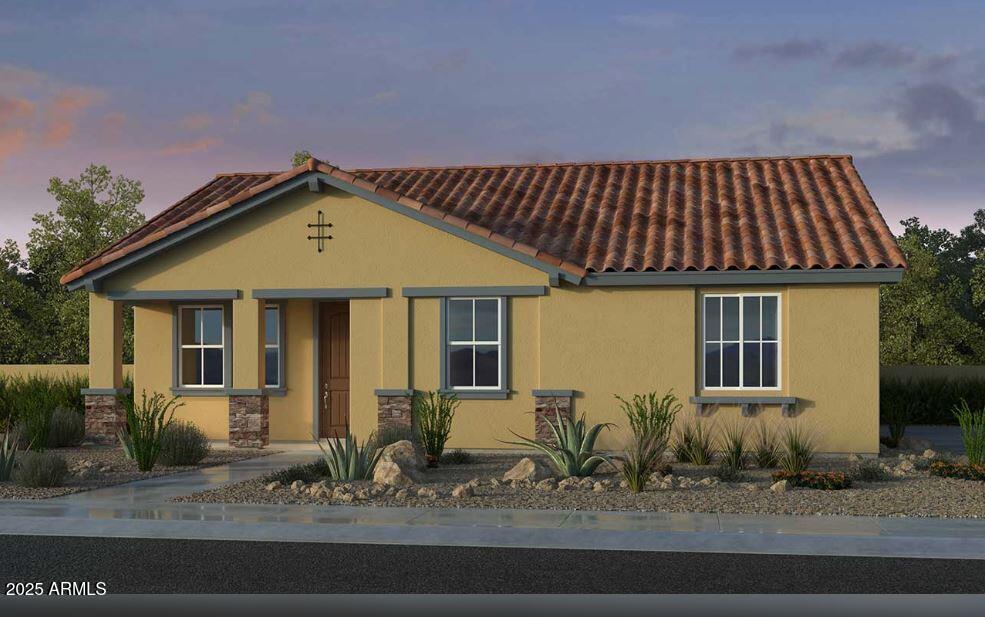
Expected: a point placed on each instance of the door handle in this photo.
(324, 398)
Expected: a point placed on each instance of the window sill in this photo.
(747, 403)
(275, 391)
(200, 391)
(478, 394)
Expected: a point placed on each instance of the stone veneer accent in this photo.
(249, 421)
(546, 409)
(104, 417)
(393, 411)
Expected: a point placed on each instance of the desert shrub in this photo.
(458, 457)
(972, 425)
(8, 455)
(347, 461)
(694, 443)
(66, 429)
(146, 424)
(434, 412)
(822, 480)
(869, 470)
(33, 403)
(125, 443)
(732, 453)
(766, 449)
(651, 419)
(306, 472)
(961, 471)
(798, 450)
(6, 402)
(66, 391)
(391, 434)
(572, 452)
(183, 443)
(41, 469)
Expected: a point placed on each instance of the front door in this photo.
(333, 345)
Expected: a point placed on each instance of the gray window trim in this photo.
(444, 292)
(322, 293)
(567, 393)
(185, 295)
(227, 352)
(281, 348)
(503, 391)
(746, 277)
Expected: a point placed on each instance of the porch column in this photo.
(104, 415)
(393, 399)
(547, 405)
(249, 414)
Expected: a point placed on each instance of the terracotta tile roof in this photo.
(711, 214)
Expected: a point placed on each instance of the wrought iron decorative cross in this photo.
(319, 228)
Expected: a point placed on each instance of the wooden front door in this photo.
(333, 345)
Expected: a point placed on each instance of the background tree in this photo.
(934, 316)
(93, 211)
(300, 158)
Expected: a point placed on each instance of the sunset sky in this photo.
(172, 92)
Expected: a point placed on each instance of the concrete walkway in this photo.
(142, 510)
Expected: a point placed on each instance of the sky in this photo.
(173, 92)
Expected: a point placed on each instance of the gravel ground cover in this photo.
(909, 491)
(97, 466)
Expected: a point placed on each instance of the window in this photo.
(474, 344)
(272, 347)
(741, 341)
(202, 340)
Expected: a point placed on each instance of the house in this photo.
(315, 301)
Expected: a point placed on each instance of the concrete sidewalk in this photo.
(142, 510)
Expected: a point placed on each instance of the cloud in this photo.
(192, 146)
(650, 20)
(63, 112)
(112, 125)
(385, 96)
(785, 51)
(256, 107)
(196, 122)
(873, 54)
(15, 115)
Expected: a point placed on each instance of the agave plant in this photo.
(347, 461)
(573, 451)
(8, 453)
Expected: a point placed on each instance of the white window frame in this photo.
(201, 347)
(741, 341)
(448, 343)
(279, 346)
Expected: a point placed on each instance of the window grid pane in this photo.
(474, 343)
(741, 342)
(201, 352)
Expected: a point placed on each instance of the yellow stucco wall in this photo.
(598, 341)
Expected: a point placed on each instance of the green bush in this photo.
(458, 457)
(869, 470)
(766, 449)
(945, 469)
(183, 444)
(346, 461)
(306, 472)
(798, 450)
(651, 419)
(146, 423)
(972, 425)
(434, 412)
(822, 480)
(572, 453)
(41, 469)
(694, 443)
(67, 428)
(732, 454)
(34, 401)
(929, 400)
(8, 455)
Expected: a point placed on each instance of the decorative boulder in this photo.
(779, 487)
(527, 469)
(389, 473)
(462, 491)
(404, 454)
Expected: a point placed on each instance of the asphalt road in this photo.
(195, 566)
